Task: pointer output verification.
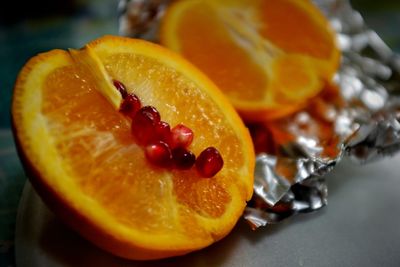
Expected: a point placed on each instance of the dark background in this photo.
(29, 27)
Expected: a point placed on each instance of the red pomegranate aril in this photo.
(163, 132)
(152, 113)
(182, 136)
(121, 88)
(159, 154)
(183, 158)
(130, 105)
(143, 125)
(209, 162)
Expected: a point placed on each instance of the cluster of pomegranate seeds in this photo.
(163, 146)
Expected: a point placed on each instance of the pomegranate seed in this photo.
(143, 125)
(209, 162)
(159, 154)
(152, 113)
(121, 88)
(182, 136)
(183, 159)
(130, 105)
(163, 132)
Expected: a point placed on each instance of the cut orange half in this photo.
(79, 152)
(268, 56)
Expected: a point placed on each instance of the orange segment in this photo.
(238, 43)
(301, 83)
(84, 162)
(245, 77)
(297, 27)
(305, 31)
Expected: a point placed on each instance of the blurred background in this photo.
(30, 27)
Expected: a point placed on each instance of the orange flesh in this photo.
(96, 142)
(280, 17)
(218, 53)
(295, 80)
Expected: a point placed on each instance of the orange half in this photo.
(269, 57)
(79, 152)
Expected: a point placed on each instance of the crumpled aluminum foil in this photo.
(365, 127)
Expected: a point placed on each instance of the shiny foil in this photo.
(359, 117)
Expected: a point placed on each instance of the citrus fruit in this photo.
(80, 153)
(269, 57)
